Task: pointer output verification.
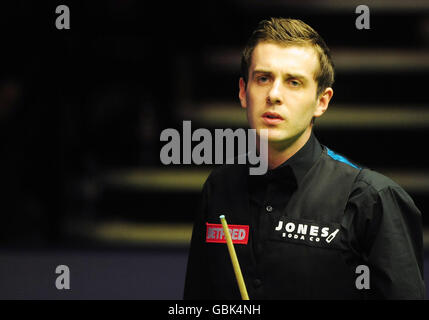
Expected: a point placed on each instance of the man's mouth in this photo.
(272, 117)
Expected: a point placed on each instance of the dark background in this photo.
(80, 106)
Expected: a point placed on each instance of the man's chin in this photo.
(283, 139)
(277, 140)
(277, 136)
(272, 135)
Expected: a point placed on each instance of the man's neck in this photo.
(279, 153)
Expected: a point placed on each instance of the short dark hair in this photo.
(289, 32)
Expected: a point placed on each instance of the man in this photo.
(316, 225)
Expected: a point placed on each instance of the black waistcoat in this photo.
(306, 255)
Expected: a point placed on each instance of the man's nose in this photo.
(274, 95)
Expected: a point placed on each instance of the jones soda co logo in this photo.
(306, 232)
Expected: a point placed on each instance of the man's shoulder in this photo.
(376, 180)
(373, 187)
(367, 178)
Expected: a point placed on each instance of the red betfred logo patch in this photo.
(239, 233)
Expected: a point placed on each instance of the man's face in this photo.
(281, 91)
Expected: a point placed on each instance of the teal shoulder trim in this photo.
(340, 158)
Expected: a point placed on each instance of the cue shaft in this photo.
(234, 260)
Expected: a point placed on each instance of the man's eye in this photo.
(262, 79)
(294, 83)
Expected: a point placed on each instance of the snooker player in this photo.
(302, 230)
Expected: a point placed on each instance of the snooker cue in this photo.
(234, 260)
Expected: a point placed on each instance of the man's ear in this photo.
(323, 102)
(242, 93)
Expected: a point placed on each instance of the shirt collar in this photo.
(295, 168)
(304, 159)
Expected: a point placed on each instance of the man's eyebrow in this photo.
(287, 75)
(296, 75)
(261, 71)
